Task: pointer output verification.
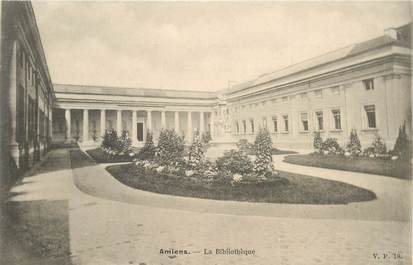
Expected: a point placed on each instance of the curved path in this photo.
(94, 180)
(107, 223)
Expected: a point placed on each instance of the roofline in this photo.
(309, 68)
(144, 88)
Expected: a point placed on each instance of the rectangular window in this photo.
(336, 119)
(244, 126)
(371, 116)
(368, 84)
(274, 123)
(303, 96)
(318, 93)
(252, 126)
(320, 120)
(237, 127)
(285, 118)
(284, 99)
(304, 121)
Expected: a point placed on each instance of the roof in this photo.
(339, 54)
(137, 92)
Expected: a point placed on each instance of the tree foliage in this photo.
(263, 152)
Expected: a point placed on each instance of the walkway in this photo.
(120, 225)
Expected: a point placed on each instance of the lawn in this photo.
(398, 168)
(286, 188)
(101, 157)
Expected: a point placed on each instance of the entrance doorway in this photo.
(140, 131)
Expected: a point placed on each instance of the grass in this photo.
(287, 188)
(276, 151)
(398, 168)
(101, 157)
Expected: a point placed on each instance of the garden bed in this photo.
(285, 188)
(101, 157)
(397, 168)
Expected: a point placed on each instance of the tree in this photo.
(402, 147)
(263, 152)
(124, 143)
(148, 150)
(196, 153)
(318, 142)
(170, 148)
(379, 147)
(354, 145)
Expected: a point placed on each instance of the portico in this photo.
(89, 125)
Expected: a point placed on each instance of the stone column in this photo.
(189, 137)
(102, 122)
(134, 127)
(68, 123)
(14, 148)
(177, 122)
(51, 122)
(201, 123)
(211, 122)
(13, 95)
(163, 120)
(85, 125)
(119, 122)
(149, 120)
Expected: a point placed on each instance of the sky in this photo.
(198, 45)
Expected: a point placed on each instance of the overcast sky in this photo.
(198, 45)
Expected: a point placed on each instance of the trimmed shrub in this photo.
(235, 162)
(263, 151)
(402, 147)
(330, 146)
(110, 141)
(245, 146)
(206, 137)
(170, 148)
(354, 146)
(148, 150)
(196, 155)
(124, 143)
(377, 148)
(318, 142)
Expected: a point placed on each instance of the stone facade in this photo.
(27, 89)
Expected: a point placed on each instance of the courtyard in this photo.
(94, 219)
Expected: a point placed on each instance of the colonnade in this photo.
(148, 124)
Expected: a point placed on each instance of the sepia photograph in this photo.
(205, 132)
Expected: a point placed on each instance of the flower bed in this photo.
(100, 156)
(283, 187)
(393, 168)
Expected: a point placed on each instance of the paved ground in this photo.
(104, 222)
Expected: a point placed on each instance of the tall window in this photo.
(371, 116)
(337, 119)
(320, 120)
(304, 121)
(252, 126)
(368, 84)
(244, 125)
(237, 126)
(274, 123)
(285, 118)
